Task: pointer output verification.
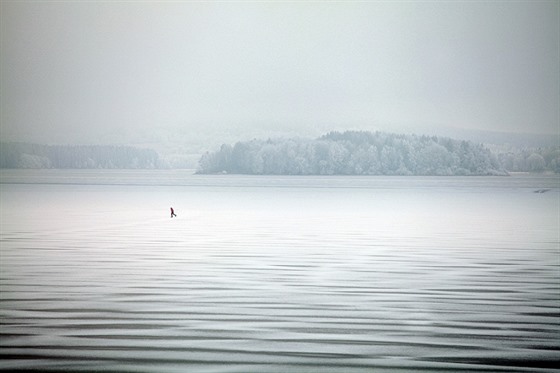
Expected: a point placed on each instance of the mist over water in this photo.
(277, 274)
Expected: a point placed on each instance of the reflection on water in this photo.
(278, 274)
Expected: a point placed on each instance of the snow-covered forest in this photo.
(528, 159)
(354, 153)
(368, 153)
(22, 155)
(343, 153)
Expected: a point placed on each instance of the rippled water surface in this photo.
(278, 274)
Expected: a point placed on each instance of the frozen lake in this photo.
(278, 274)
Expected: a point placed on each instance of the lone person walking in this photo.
(172, 212)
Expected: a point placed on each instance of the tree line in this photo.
(529, 159)
(23, 155)
(373, 153)
(354, 153)
(340, 153)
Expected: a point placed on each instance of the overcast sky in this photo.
(74, 69)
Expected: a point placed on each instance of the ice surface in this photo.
(277, 274)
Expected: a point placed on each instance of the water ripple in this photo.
(252, 291)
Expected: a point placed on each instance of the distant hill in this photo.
(514, 139)
(23, 155)
(354, 153)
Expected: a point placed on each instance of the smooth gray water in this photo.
(278, 274)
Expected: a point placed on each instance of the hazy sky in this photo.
(75, 70)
